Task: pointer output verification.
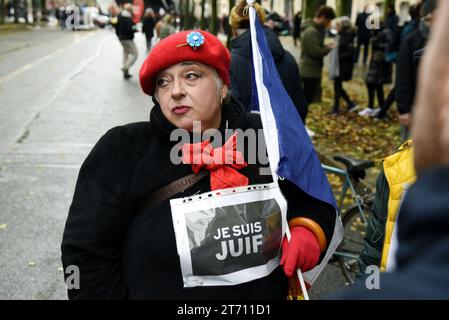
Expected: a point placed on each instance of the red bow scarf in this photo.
(221, 162)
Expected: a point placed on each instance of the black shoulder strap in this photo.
(171, 189)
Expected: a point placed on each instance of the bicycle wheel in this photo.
(352, 243)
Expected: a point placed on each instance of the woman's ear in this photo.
(224, 91)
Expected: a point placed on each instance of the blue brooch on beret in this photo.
(194, 39)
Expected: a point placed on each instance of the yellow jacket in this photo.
(400, 173)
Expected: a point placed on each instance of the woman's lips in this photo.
(179, 110)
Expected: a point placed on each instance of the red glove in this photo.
(303, 251)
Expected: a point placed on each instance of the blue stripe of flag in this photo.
(299, 162)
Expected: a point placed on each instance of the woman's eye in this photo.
(192, 76)
(162, 82)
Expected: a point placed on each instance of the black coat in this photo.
(346, 53)
(241, 70)
(122, 255)
(363, 33)
(125, 27)
(423, 235)
(407, 71)
(380, 72)
(297, 26)
(148, 24)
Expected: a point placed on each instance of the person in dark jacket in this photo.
(406, 75)
(125, 29)
(392, 183)
(241, 62)
(346, 35)
(410, 27)
(297, 27)
(313, 51)
(148, 23)
(392, 19)
(126, 248)
(380, 71)
(363, 34)
(391, 53)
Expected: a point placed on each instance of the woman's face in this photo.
(338, 27)
(190, 91)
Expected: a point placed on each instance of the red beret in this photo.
(197, 45)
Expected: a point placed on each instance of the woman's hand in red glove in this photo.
(303, 251)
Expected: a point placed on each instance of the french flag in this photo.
(290, 151)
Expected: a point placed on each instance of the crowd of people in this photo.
(386, 46)
(127, 248)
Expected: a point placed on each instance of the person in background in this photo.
(392, 19)
(363, 35)
(397, 174)
(148, 26)
(346, 51)
(406, 75)
(241, 62)
(165, 27)
(391, 53)
(297, 27)
(313, 51)
(380, 71)
(410, 27)
(125, 29)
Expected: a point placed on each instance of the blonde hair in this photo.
(239, 17)
(344, 22)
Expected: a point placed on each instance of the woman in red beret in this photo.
(120, 231)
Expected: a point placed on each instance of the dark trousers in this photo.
(339, 92)
(310, 88)
(387, 104)
(365, 44)
(149, 39)
(372, 90)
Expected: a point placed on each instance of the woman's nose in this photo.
(178, 89)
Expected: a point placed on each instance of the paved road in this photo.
(59, 92)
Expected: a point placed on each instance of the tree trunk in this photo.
(228, 41)
(16, 11)
(187, 18)
(309, 7)
(35, 10)
(344, 8)
(203, 20)
(214, 19)
(386, 4)
(193, 21)
(2, 11)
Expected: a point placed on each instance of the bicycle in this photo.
(355, 217)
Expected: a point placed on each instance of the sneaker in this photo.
(310, 132)
(375, 112)
(366, 112)
(126, 74)
(353, 107)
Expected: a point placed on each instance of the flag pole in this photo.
(273, 164)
